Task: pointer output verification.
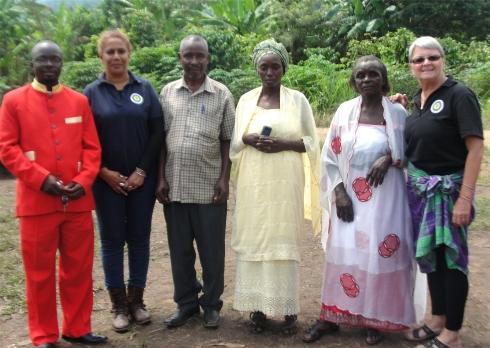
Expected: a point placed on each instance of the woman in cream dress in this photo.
(276, 187)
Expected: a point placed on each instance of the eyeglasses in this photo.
(44, 60)
(420, 60)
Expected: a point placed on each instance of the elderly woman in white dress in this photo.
(369, 264)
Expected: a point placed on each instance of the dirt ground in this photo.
(233, 331)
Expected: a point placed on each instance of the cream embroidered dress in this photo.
(273, 194)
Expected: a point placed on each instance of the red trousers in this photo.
(41, 236)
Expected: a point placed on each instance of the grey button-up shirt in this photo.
(195, 125)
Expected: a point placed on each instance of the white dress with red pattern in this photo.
(370, 269)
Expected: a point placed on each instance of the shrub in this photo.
(324, 84)
(77, 75)
(238, 81)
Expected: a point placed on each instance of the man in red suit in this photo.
(49, 142)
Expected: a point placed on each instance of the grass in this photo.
(12, 275)
(482, 220)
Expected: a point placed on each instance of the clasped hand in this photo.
(55, 187)
(120, 183)
(265, 143)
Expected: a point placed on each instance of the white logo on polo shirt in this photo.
(136, 98)
(437, 106)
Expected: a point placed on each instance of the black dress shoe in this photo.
(180, 316)
(212, 319)
(46, 345)
(89, 338)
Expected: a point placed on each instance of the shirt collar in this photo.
(205, 86)
(448, 83)
(43, 89)
(132, 78)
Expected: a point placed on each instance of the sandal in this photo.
(291, 329)
(436, 342)
(256, 324)
(316, 333)
(429, 334)
(373, 337)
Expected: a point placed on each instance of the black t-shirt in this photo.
(435, 135)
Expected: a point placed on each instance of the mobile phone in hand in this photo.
(266, 131)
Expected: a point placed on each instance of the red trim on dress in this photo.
(344, 317)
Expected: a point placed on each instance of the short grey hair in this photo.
(194, 38)
(427, 42)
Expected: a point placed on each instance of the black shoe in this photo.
(89, 338)
(180, 316)
(212, 319)
(46, 345)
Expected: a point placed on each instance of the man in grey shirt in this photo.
(193, 176)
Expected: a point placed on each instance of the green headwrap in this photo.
(270, 47)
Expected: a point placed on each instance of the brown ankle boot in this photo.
(136, 307)
(120, 323)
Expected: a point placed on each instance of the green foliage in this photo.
(159, 65)
(352, 19)
(91, 47)
(402, 81)
(238, 81)
(327, 53)
(242, 17)
(324, 85)
(77, 75)
(232, 28)
(142, 28)
(300, 25)
(391, 48)
(228, 50)
(462, 20)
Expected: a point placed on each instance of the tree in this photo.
(300, 24)
(460, 19)
(16, 28)
(240, 16)
(114, 10)
(355, 18)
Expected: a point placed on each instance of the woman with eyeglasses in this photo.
(129, 121)
(444, 136)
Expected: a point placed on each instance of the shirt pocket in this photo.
(72, 129)
(209, 127)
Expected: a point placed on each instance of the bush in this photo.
(150, 59)
(77, 75)
(324, 84)
(238, 81)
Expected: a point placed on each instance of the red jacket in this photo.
(45, 133)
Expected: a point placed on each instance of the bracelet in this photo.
(471, 188)
(140, 172)
(465, 198)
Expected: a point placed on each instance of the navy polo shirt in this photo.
(435, 135)
(124, 120)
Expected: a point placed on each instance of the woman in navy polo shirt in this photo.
(129, 122)
(444, 138)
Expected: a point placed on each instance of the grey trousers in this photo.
(206, 224)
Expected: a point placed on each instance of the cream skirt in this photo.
(271, 287)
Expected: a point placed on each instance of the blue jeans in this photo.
(124, 220)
